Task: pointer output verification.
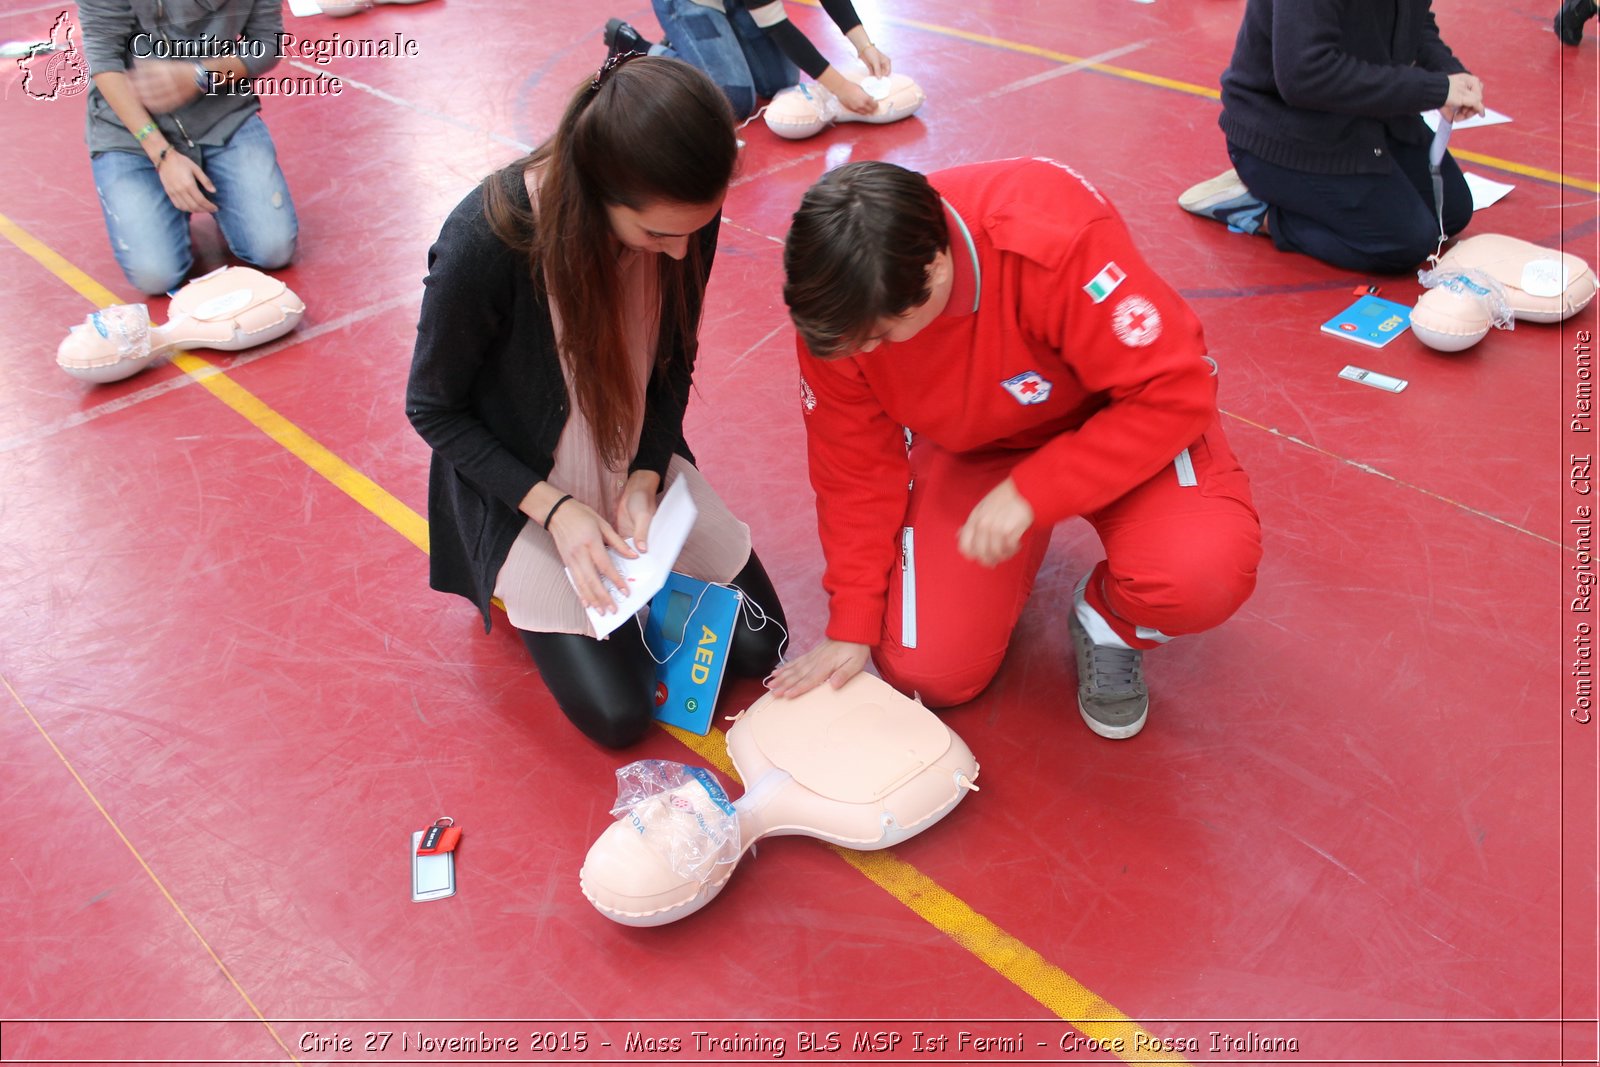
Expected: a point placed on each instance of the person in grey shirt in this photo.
(174, 128)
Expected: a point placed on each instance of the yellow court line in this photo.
(1010, 958)
(1062, 994)
(139, 858)
(1013, 960)
(363, 490)
(1082, 62)
(412, 526)
(1129, 74)
(1555, 177)
(53, 262)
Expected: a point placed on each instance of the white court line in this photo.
(182, 381)
(79, 418)
(746, 179)
(782, 327)
(460, 124)
(1070, 68)
(56, 7)
(1367, 468)
(726, 221)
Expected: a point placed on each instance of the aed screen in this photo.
(677, 615)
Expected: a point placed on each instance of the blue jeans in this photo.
(1368, 223)
(735, 52)
(150, 237)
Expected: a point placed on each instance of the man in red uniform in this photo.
(983, 354)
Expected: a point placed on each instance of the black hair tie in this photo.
(554, 508)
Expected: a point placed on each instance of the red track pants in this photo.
(1180, 558)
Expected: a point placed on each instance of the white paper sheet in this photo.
(1490, 117)
(1485, 191)
(645, 576)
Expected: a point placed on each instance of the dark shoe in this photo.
(622, 38)
(1570, 20)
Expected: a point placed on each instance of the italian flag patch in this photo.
(1105, 283)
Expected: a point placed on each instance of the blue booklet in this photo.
(688, 628)
(1371, 321)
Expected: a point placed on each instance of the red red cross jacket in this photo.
(1076, 356)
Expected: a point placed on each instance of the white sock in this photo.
(1094, 624)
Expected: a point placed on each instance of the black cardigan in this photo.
(794, 44)
(1318, 85)
(487, 394)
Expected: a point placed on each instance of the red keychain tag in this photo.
(442, 836)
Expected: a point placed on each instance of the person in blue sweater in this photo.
(752, 50)
(1321, 108)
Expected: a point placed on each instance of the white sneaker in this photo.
(1225, 199)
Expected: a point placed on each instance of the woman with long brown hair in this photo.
(553, 365)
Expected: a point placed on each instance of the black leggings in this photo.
(607, 688)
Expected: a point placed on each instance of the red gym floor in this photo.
(1361, 820)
